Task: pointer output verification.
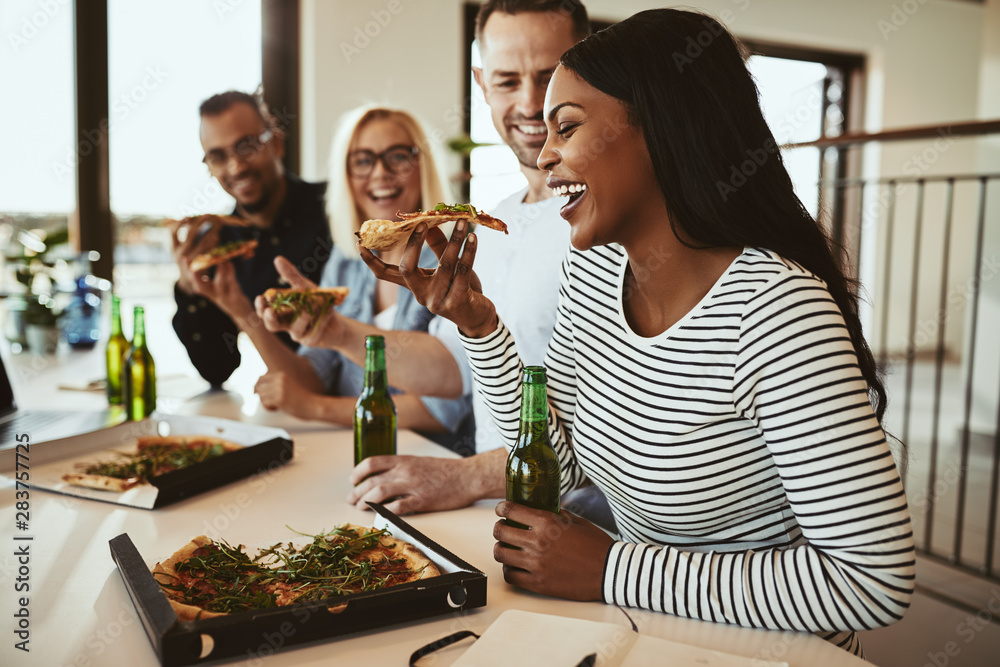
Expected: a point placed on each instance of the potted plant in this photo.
(41, 324)
(31, 317)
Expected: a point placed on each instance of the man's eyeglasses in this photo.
(399, 160)
(245, 149)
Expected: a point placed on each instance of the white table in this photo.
(81, 614)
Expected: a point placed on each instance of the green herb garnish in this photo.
(455, 208)
(299, 302)
(227, 580)
(155, 460)
(225, 248)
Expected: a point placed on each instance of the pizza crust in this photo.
(189, 441)
(100, 482)
(165, 572)
(207, 260)
(228, 220)
(385, 234)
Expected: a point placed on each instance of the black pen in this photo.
(588, 661)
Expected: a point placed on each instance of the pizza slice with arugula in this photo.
(153, 456)
(386, 234)
(289, 303)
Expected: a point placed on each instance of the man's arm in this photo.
(418, 363)
(279, 391)
(209, 336)
(428, 484)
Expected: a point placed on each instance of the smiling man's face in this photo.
(519, 54)
(252, 177)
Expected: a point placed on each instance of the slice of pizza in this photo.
(213, 218)
(386, 234)
(207, 578)
(222, 254)
(289, 303)
(154, 456)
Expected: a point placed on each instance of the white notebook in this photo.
(557, 641)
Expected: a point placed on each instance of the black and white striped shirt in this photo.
(749, 478)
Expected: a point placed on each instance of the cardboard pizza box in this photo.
(264, 448)
(460, 586)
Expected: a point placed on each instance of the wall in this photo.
(923, 68)
(986, 384)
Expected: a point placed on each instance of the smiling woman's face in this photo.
(595, 155)
(381, 193)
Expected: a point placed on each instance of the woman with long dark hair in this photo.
(707, 370)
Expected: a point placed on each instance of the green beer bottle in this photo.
(115, 354)
(375, 413)
(140, 373)
(532, 467)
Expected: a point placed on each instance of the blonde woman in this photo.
(381, 162)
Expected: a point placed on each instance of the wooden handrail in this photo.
(966, 129)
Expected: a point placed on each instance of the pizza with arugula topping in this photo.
(153, 456)
(288, 303)
(214, 219)
(208, 578)
(222, 254)
(386, 234)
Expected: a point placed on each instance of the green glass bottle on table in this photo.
(115, 353)
(140, 373)
(533, 474)
(375, 413)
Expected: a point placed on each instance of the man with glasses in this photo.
(244, 151)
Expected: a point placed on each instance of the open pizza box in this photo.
(263, 448)
(459, 587)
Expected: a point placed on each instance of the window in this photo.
(156, 81)
(38, 170)
(804, 95)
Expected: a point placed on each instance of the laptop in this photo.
(43, 425)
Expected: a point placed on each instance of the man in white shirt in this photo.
(520, 42)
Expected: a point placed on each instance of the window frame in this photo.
(91, 224)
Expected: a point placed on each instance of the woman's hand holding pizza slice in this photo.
(452, 290)
(305, 310)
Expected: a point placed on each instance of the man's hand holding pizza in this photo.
(185, 245)
(223, 290)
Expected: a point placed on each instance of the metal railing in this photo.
(953, 481)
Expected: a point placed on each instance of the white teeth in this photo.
(384, 193)
(564, 190)
(532, 129)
